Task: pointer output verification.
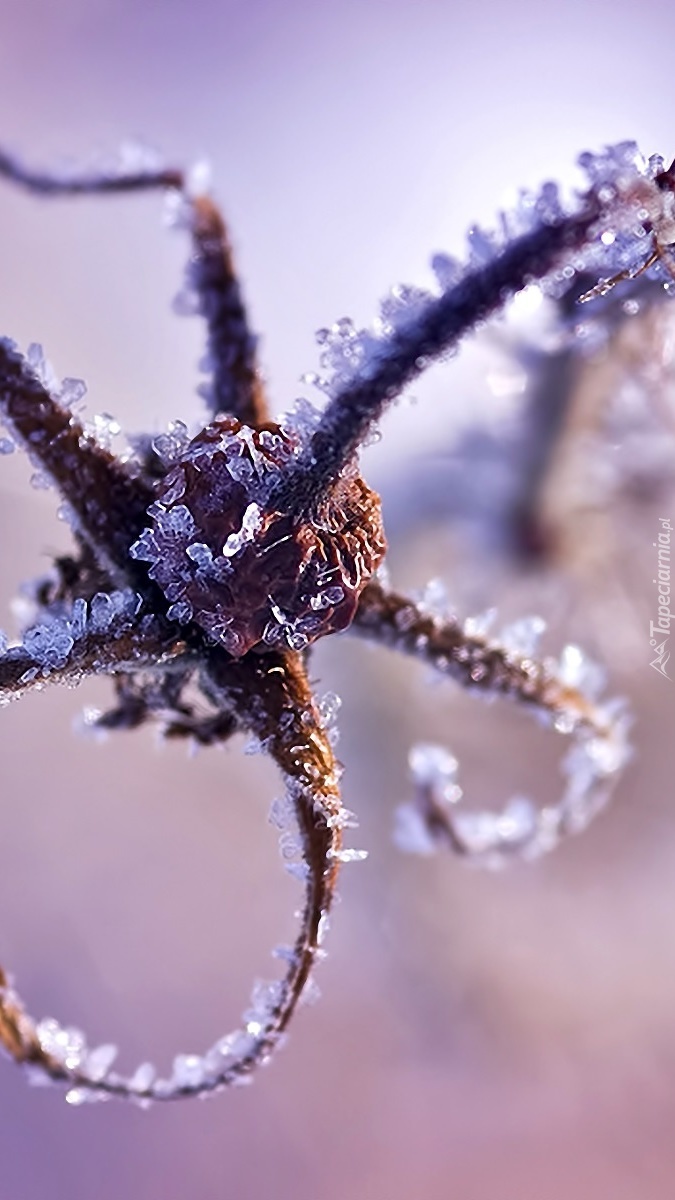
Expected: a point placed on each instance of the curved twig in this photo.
(212, 287)
(561, 693)
(272, 697)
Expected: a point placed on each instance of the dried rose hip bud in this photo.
(248, 574)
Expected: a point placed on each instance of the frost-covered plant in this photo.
(206, 564)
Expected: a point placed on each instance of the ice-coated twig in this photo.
(389, 364)
(211, 286)
(74, 182)
(272, 698)
(561, 693)
(108, 503)
(231, 361)
(103, 636)
(544, 240)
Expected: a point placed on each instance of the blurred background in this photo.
(489, 1037)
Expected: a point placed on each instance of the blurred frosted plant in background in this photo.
(552, 492)
(208, 560)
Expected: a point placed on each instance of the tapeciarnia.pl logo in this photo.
(662, 624)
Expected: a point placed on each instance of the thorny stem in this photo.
(272, 698)
(236, 386)
(348, 417)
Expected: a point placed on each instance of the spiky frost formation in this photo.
(248, 573)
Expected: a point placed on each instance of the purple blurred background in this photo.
(489, 1038)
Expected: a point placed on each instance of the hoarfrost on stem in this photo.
(205, 566)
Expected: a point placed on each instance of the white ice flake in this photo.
(49, 644)
(71, 392)
(578, 671)
(411, 833)
(522, 637)
(42, 368)
(67, 1045)
(106, 428)
(329, 706)
(432, 765)
(100, 1060)
(480, 625)
(251, 522)
(142, 1078)
(83, 1095)
(189, 1071)
(348, 855)
(101, 612)
(170, 445)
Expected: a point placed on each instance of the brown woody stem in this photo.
(561, 692)
(109, 504)
(272, 697)
(408, 352)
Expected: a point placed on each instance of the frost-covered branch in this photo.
(99, 637)
(134, 172)
(211, 286)
(544, 240)
(108, 503)
(561, 693)
(272, 698)
(390, 363)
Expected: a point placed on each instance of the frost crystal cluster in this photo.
(206, 563)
